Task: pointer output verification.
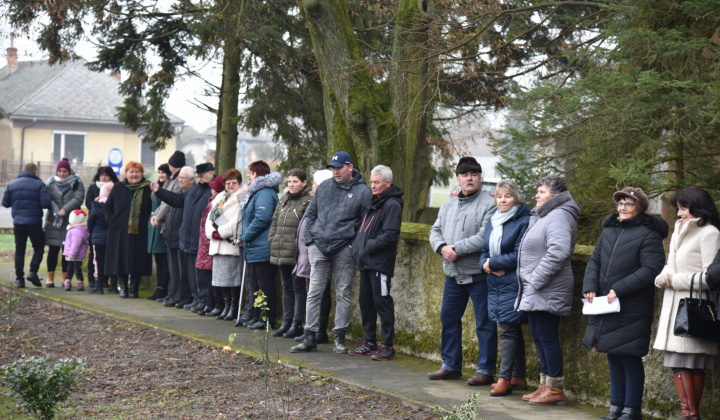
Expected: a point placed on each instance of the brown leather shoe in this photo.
(502, 388)
(442, 374)
(518, 383)
(480, 379)
(537, 393)
(551, 396)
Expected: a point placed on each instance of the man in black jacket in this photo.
(28, 196)
(374, 250)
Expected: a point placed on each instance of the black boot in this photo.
(234, 302)
(632, 413)
(307, 345)
(91, 282)
(218, 302)
(294, 331)
(112, 287)
(339, 345)
(245, 318)
(98, 290)
(227, 301)
(615, 411)
(283, 328)
(134, 287)
(123, 286)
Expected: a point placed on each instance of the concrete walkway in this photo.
(402, 379)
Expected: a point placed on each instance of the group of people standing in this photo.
(515, 266)
(211, 235)
(208, 234)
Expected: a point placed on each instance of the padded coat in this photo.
(628, 256)
(257, 216)
(284, 226)
(28, 196)
(502, 290)
(544, 270)
(97, 224)
(70, 200)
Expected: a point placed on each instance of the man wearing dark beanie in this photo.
(164, 217)
(177, 160)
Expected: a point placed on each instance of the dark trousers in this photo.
(375, 300)
(91, 261)
(300, 291)
(74, 267)
(192, 286)
(512, 351)
(52, 259)
(204, 279)
(454, 302)
(161, 270)
(627, 379)
(288, 291)
(37, 239)
(175, 270)
(544, 328)
(99, 253)
(261, 276)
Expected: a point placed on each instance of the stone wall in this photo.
(417, 291)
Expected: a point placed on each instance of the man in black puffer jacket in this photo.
(374, 250)
(28, 196)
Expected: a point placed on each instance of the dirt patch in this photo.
(138, 372)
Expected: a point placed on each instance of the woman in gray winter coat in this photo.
(628, 256)
(66, 194)
(546, 280)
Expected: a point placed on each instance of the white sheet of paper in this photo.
(221, 220)
(600, 306)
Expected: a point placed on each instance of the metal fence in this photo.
(9, 170)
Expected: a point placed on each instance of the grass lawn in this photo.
(8, 411)
(7, 242)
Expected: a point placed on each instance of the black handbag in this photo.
(698, 317)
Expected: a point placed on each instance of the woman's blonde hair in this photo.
(510, 185)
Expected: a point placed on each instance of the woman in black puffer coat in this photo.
(628, 257)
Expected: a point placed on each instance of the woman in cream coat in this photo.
(693, 246)
(221, 227)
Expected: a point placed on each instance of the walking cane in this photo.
(242, 285)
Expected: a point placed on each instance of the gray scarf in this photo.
(498, 220)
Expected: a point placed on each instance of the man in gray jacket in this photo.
(331, 221)
(457, 236)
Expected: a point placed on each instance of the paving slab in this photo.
(403, 379)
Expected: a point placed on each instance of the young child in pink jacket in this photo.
(76, 245)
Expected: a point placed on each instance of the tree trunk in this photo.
(362, 115)
(226, 150)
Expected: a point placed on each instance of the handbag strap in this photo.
(692, 282)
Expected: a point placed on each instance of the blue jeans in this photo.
(627, 379)
(455, 299)
(545, 331)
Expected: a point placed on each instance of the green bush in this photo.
(40, 388)
(467, 411)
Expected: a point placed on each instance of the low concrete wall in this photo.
(417, 290)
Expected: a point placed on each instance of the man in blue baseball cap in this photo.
(331, 221)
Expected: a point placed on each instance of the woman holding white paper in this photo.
(693, 246)
(628, 256)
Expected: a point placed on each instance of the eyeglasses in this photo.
(628, 205)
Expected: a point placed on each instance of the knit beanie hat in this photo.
(322, 175)
(468, 164)
(77, 217)
(217, 184)
(164, 168)
(64, 163)
(635, 194)
(177, 160)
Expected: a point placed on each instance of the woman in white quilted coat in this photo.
(693, 246)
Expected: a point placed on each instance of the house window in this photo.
(70, 145)
(147, 155)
